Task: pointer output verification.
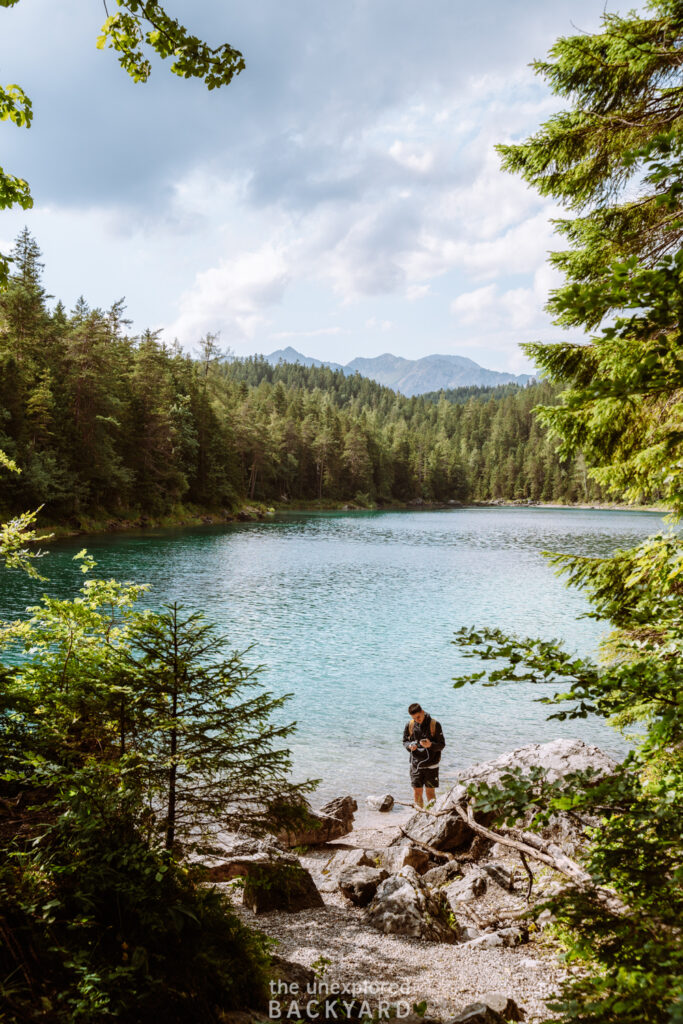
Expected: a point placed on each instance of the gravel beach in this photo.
(398, 968)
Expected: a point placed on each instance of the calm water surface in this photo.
(354, 613)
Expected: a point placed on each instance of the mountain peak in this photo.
(411, 376)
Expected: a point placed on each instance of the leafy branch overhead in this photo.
(141, 23)
(138, 29)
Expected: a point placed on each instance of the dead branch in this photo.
(529, 872)
(425, 810)
(425, 846)
(547, 853)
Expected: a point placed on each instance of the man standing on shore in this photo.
(423, 738)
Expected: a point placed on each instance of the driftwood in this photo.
(425, 810)
(530, 845)
(548, 853)
(425, 846)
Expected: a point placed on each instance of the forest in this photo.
(102, 423)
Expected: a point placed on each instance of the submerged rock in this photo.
(380, 803)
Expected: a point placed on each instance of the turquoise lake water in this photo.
(353, 613)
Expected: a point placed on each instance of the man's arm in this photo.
(438, 742)
(408, 741)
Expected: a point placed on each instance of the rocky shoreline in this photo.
(419, 917)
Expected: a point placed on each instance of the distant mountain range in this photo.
(411, 376)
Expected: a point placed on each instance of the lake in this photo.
(353, 613)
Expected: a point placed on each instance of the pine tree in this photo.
(207, 733)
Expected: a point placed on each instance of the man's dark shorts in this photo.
(428, 777)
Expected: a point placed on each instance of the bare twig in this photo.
(425, 846)
(530, 874)
(425, 810)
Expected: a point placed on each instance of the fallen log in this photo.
(547, 853)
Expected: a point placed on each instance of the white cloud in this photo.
(473, 307)
(374, 324)
(233, 296)
(410, 158)
(320, 332)
(517, 309)
(326, 170)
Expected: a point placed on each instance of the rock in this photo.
(467, 933)
(517, 935)
(290, 973)
(280, 885)
(552, 887)
(503, 1005)
(404, 905)
(500, 874)
(328, 883)
(380, 803)
(243, 856)
(350, 859)
(566, 831)
(443, 874)
(545, 918)
(492, 1008)
(332, 821)
(557, 758)
(488, 941)
(477, 1013)
(478, 848)
(394, 858)
(346, 859)
(415, 1018)
(359, 884)
(465, 889)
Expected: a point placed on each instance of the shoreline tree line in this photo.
(102, 423)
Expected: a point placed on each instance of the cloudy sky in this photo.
(342, 195)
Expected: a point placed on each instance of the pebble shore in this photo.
(394, 967)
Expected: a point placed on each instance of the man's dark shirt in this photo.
(424, 757)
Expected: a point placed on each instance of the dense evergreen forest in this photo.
(103, 423)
